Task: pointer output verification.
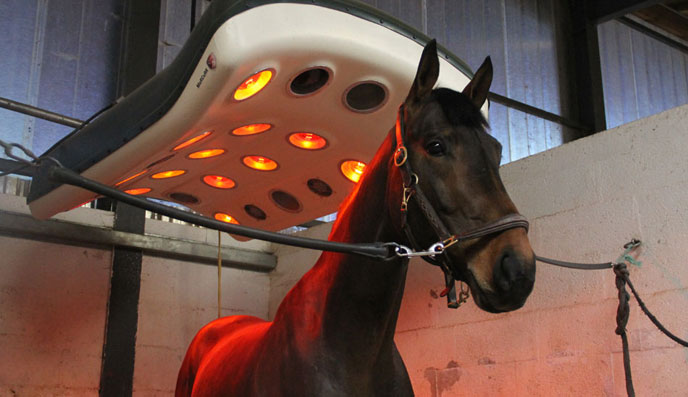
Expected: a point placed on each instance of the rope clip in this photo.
(406, 252)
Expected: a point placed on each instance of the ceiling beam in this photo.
(667, 19)
(602, 11)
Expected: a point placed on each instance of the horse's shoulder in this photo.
(223, 325)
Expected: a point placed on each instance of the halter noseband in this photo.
(437, 254)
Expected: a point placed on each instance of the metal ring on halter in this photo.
(413, 182)
(437, 247)
(414, 179)
(400, 152)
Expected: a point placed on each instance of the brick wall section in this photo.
(585, 200)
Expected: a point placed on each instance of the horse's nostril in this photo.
(507, 271)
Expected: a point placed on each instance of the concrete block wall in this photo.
(52, 317)
(177, 299)
(53, 308)
(584, 200)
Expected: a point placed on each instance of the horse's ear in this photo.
(427, 73)
(479, 86)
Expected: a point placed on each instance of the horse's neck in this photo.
(351, 302)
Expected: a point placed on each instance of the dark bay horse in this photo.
(333, 335)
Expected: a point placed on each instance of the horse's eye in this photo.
(435, 148)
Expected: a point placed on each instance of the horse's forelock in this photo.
(459, 109)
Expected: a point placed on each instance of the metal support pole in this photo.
(138, 62)
(587, 67)
(40, 113)
(537, 112)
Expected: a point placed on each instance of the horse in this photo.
(333, 334)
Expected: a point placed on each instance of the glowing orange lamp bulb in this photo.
(307, 140)
(204, 154)
(221, 216)
(260, 163)
(251, 129)
(130, 178)
(168, 174)
(193, 140)
(252, 85)
(218, 181)
(137, 191)
(352, 170)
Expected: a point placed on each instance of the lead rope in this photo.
(623, 310)
(622, 314)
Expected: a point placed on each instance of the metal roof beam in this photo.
(602, 11)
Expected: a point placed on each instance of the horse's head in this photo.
(457, 165)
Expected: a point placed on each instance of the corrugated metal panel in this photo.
(57, 86)
(21, 34)
(522, 38)
(533, 75)
(410, 11)
(641, 76)
(175, 27)
(61, 56)
(474, 30)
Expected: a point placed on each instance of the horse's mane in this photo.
(366, 189)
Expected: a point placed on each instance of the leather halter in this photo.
(447, 239)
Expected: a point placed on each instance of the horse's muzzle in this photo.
(513, 277)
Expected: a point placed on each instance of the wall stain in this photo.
(486, 361)
(442, 380)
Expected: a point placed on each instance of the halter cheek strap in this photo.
(436, 254)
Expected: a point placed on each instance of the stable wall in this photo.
(53, 308)
(585, 200)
